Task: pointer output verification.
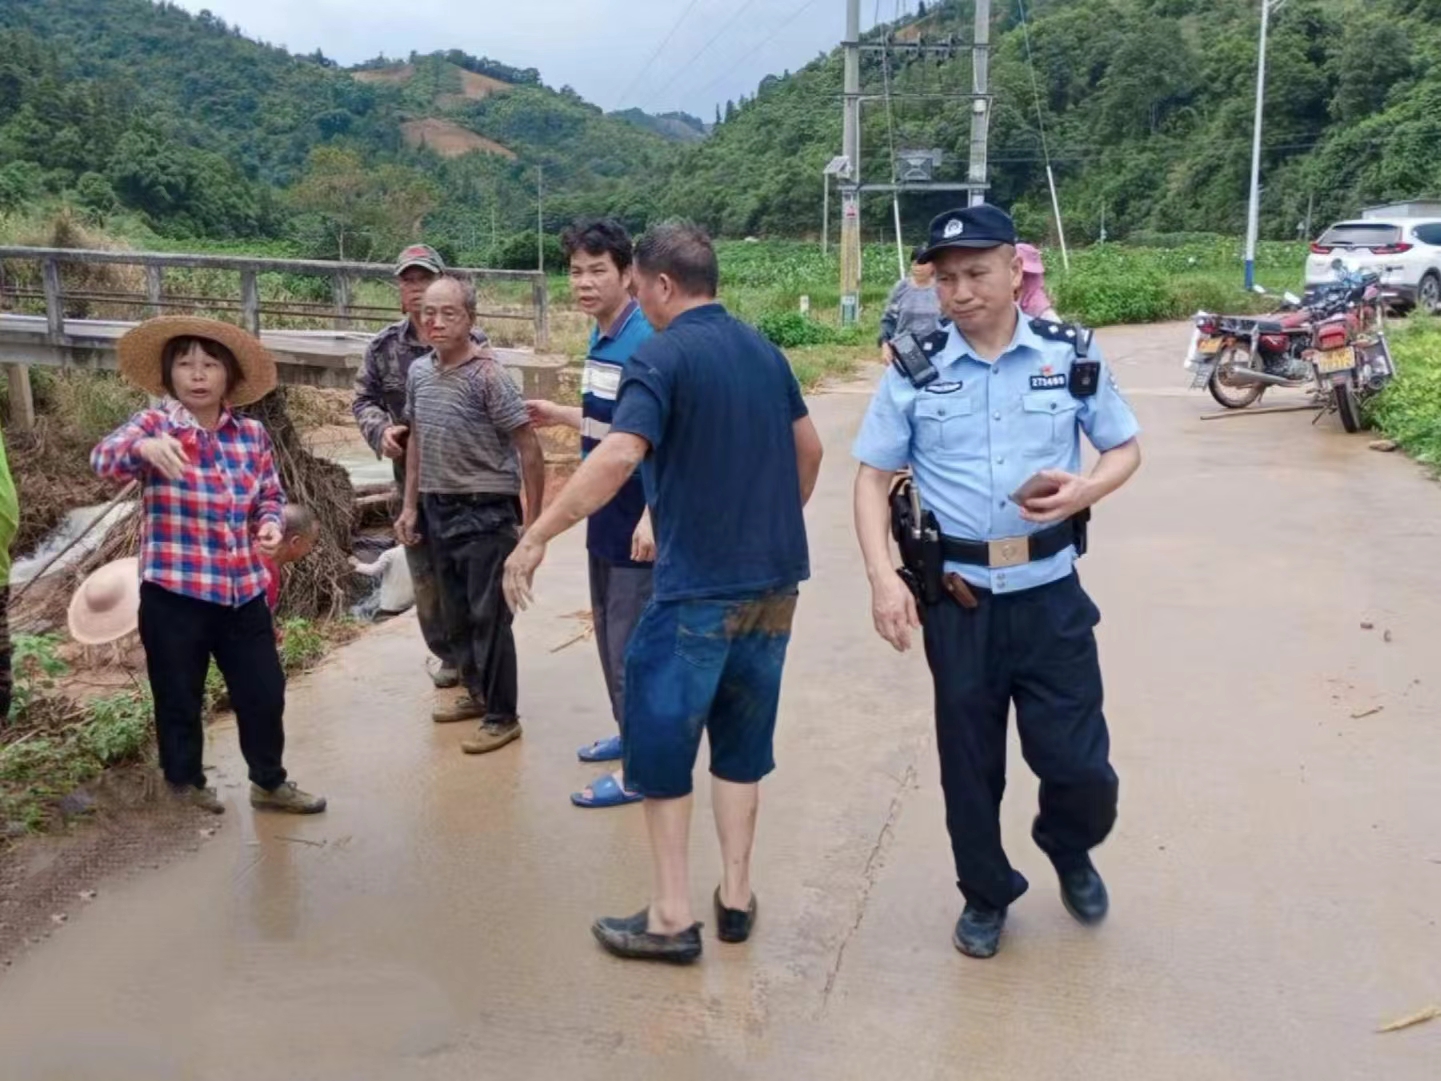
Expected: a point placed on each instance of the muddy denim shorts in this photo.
(710, 666)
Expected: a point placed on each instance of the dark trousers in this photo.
(180, 635)
(1036, 649)
(471, 536)
(421, 560)
(618, 596)
(6, 681)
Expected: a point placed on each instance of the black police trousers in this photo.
(1035, 648)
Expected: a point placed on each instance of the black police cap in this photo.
(982, 226)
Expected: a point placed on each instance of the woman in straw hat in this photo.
(212, 509)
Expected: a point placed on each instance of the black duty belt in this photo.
(1018, 551)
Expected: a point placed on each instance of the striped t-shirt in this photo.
(461, 420)
(609, 531)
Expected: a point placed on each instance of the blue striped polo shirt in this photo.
(608, 534)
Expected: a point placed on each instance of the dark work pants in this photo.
(6, 680)
(471, 536)
(180, 635)
(1036, 648)
(421, 560)
(618, 596)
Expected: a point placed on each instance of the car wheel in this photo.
(1428, 293)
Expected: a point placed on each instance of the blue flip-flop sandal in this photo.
(602, 750)
(605, 792)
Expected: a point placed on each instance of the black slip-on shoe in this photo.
(626, 936)
(978, 931)
(734, 924)
(1084, 895)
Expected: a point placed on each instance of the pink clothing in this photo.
(1033, 299)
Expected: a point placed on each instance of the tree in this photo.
(356, 211)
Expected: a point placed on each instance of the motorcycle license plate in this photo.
(1208, 347)
(1335, 360)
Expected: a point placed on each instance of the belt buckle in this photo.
(1009, 552)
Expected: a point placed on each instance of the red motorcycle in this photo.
(1237, 357)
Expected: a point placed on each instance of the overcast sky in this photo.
(720, 49)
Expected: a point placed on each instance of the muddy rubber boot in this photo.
(205, 798)
(287, 798)
(462, 709)
(491, 736)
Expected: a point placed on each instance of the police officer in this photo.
(994, 400)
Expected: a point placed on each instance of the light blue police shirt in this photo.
(981, 429)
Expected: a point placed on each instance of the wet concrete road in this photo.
(1276, 872)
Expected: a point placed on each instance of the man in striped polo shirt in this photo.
(618, 537)
(470, 455)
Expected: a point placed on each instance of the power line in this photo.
(686, 67)
(795, 14)
(651, 59)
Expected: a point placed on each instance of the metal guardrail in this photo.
(249, 305)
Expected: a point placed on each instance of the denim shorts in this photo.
(712, 666)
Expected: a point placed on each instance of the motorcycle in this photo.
(1237, 358)
(1349, 367)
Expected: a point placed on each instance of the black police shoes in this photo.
(627, 937)
(734, 924)
(978, 931)
(1084, 895)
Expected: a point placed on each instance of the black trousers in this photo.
(1036, 649)
(180, 635)
(470, 537)
(6, 679)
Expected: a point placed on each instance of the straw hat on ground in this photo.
(142, 348)
(106, 607)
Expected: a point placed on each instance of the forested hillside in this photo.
(128, 107)
(1146, 106)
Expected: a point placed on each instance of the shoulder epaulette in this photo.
(1073, 334)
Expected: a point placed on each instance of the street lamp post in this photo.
(1253, 216)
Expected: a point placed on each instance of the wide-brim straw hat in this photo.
(142, 348)
(106, 607)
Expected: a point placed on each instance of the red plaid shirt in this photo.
(198, 531)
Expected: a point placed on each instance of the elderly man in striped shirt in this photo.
(471, 446)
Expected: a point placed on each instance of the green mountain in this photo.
(1142, 108)
(1146, 109)
(138, 106)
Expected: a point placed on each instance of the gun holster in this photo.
(918, 535)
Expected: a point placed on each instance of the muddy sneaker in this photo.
(491, 736)
(462, 709)
(445, 677)
(286, 798)
(204, 798)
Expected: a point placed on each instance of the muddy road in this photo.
(1275, 874)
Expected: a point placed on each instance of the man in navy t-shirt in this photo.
(712, 414)
(618, 536)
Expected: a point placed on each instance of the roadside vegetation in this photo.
(1409, 410)
(55, 742)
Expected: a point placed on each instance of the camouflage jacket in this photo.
(380, 386)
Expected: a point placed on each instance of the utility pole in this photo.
(851, 192)
(540, 217)
(980, 104)
(1253, 215)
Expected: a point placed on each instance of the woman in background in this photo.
(1032, 296)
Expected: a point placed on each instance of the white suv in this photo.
(1405, 251)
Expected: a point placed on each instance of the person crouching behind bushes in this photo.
(299, 533)
(212, 511)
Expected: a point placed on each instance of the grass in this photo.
(1409, 410)
(53, 744)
